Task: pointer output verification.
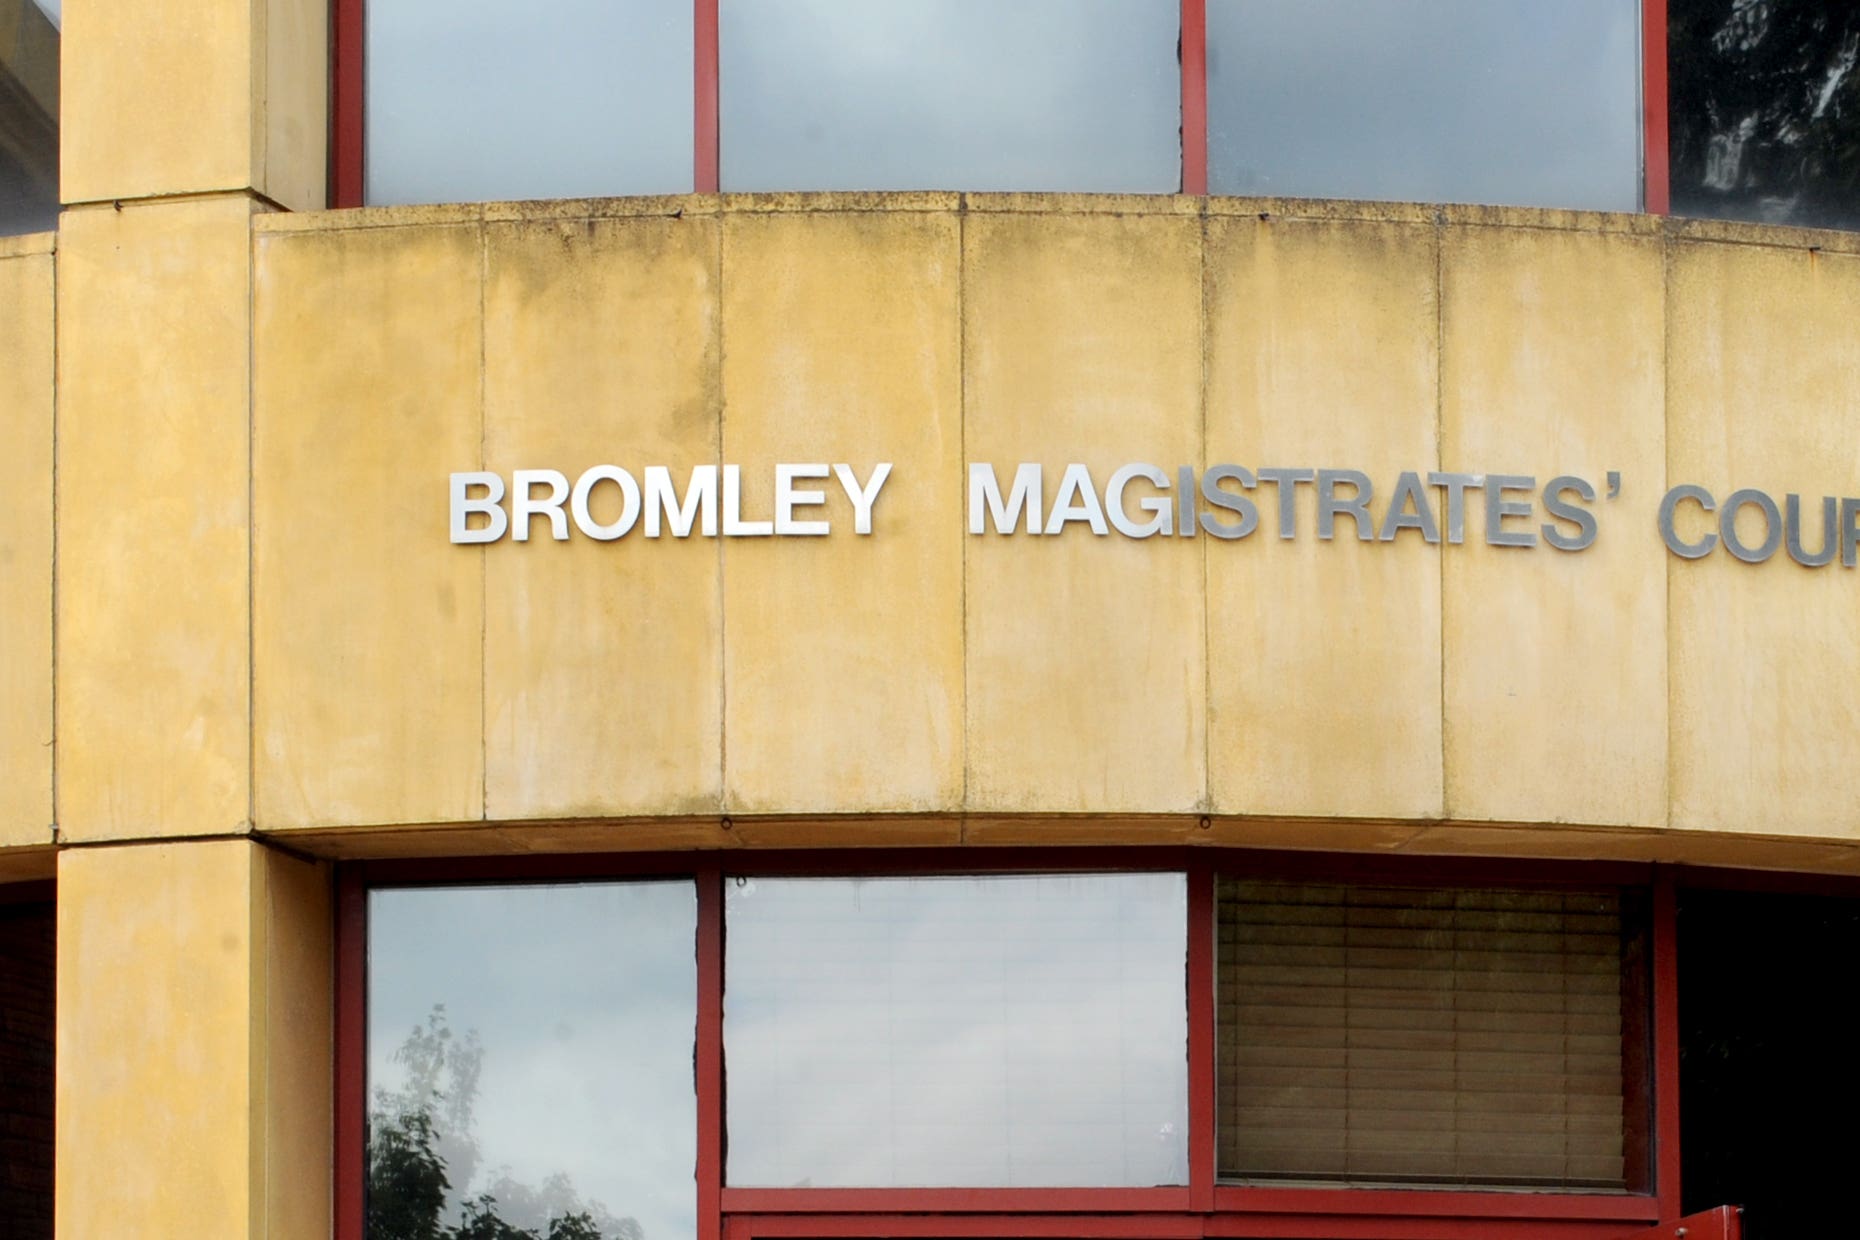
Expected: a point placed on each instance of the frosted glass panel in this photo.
(469, 100)
(1526, 102)
(1001, 1031)
(950, 94)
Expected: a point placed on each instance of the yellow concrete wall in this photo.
(637, 694)
(195, 96)
(26, 540)
(194, 1011)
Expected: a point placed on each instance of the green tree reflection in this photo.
(422, 1147)
(1766, 110)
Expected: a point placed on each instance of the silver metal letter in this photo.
(1409, 494)
(1497, 508)
(1563, 510)
(629, 502)
(1674, 543)
(1457, 485)
(1157, 506)
(463, 505)
(1287, 481)
(1772, 526)
(1212, 492)
(1792, 532)
(1024, 496)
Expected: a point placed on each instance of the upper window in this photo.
(1766, 110)
(28, 115)
(471, 100)
(1526, 102)
(950, 94)
(1497, 101)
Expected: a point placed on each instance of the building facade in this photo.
(905, 713)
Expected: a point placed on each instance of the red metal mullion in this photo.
(1666, 1043)
(346, 103)
(1655, 159)
(1202, 1038)
(708, 1068)
(1433, 1203)
(704, 111)
(1194, 96)
(351, 1051)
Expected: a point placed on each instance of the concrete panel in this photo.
(1086, 677)
(153, 524)
(292, 102)
(603, 660)
(368, 625)
(1323, 655)
(293, 1048)
(155, 1036)
(843, 654)
(1555, 667)
(25, 546)
(1765, 393)
(156, 98)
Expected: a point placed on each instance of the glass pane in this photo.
(28, 988)
(957, 1031)
(1439, 1036)
(950, 94)
(471, 100)
(530, 1060)
(1525, 102)
(1766, 110)
(28, 115)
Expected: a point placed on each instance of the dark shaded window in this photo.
(1390, 1035)
(28, 115)
(1524, 102)
(1767, 1074)
(1766, 110)
(530, 1062)
(28, 963)
(470, 100)
(950, 94)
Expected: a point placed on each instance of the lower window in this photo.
(1438, 1036)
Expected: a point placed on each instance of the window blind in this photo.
(1404, 1035)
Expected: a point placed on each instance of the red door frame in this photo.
(348, 102)
(1203, 1207)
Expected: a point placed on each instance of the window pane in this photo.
(474, 99)
(950, 94)
(28, 115)
(533, 1045)
(1434, 1036)
(1527, 102)
(957, 1031)
(1766, 110)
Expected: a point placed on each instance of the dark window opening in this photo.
(1768, 1079)
(27, 977)
(1766, 110)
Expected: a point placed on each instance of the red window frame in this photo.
(1204, 1207)
(347, 103)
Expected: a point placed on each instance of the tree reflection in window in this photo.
(423, 1145)
(1766, 110)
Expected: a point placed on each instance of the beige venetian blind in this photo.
(1404, 1035)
